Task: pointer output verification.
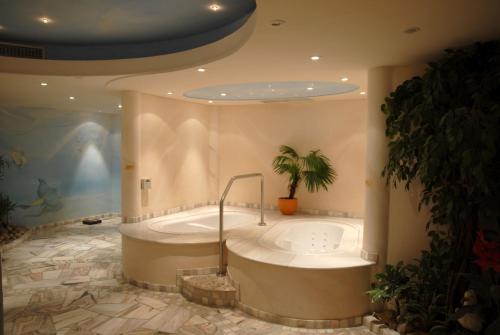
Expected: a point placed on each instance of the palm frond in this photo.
(289, 151)
(317, 171)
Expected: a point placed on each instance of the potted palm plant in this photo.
(314, 169)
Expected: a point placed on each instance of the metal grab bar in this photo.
(222, 271)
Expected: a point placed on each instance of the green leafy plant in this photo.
(426, 304)
(391, 285)
(6, 205)
(314, 169)
(443, 132)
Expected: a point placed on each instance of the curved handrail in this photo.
(222, 270)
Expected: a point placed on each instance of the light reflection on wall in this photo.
(65, 164)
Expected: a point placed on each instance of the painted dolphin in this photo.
(48, 199)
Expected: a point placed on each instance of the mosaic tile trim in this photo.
(323, 212)
(77, 220)
(369, 256)
(173, 210)
(40, 228)
(151, 286)
(209, 290)
(252, 205)
(16, 242)
(300, 323)
(378, 327)
(178, 280)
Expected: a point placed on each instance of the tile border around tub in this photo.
(300, 323)
(170, 288)
(259, 314)
(252, 205)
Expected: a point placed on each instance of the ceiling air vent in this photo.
(21, 51)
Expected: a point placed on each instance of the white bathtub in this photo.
(205, 222)
(303, 272)
(312, 237)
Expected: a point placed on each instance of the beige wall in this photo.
(250, 135)
(407, 234)
(175, 153)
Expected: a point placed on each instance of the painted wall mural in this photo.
(64, 164)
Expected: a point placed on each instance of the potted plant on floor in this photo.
(314, 169)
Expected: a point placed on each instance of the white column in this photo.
(130, 156)
(377, 191)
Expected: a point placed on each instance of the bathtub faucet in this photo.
(222, 270)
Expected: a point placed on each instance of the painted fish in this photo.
(48, 199)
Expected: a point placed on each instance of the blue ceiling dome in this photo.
(271, 91)
(114, 29)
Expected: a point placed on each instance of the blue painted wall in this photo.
(65, 164)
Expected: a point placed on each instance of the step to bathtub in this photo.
(208, 290)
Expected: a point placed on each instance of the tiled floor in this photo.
(67, 280)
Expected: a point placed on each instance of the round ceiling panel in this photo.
(268, 91)
(111, 29)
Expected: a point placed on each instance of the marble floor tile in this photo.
(67, 281)
(71, 317)
(142, 312)
(151, 302)
(111, 309)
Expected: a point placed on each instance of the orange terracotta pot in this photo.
(287, 206)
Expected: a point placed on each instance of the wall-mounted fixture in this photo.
(146, 184)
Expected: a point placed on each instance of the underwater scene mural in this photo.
(62, 164)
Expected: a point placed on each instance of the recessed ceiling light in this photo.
(210, 102)
(344, 79)
(362, 92)
(43, 83)
(412, 30)
(45, 20)
(315, 57)
(215, 7)
(223, 94)
(310, 88)
(170, 93)
(120, 106)
(201, 69)
(71, 98)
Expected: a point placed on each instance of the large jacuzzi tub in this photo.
(300, 271)
(303, 272)
(201, 222)
(156, 251)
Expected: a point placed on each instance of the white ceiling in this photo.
(350, 36)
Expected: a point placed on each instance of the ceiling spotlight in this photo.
(344, 79)
(120, 106)
(72, 98)
(314, 57)
(362, 93)
(201, 69)
(223, 94)
(170, 93)
(412, 30)
(215, 7)
(210, 102)
(310, 88)
(45, 20)
(43, 84)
